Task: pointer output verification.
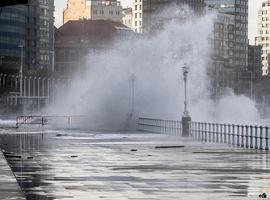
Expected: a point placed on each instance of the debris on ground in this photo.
(168, 147)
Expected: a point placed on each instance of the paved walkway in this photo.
(9, 188)
(128, 166)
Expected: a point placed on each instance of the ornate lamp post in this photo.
(185, 118)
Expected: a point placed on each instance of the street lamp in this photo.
(186, 119)
(21, 71)
(185, 74)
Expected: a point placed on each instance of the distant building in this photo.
(127, 17)
(75, 10)
(76, 40)
(248, 81)
(264, 35)
(46, 35)
(93, 9)
(145, 12)
(254, 58)
(239, 9)
(13, 33)
(28, 29)
(137, 13)
(223, 60)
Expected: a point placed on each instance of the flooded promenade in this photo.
(114, 165)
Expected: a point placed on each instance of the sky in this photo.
(253, 10)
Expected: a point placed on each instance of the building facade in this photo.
(24, 30)
(264, 35)
(93, 9)
(239, 9)
(255, 58)
(127, 17)
(46, 35)
(76, 9)
(78, 39)
(222, 71)
(137, 15)
(146, 12)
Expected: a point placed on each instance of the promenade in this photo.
(9, 188)
(133, 165)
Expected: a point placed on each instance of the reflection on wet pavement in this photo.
(9, 188)
(126, 165)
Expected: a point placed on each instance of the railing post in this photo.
(214, 133)
(233, 134)
(205, 132)
(17, 122)
(256, 137)
(210, 132)
(179, 128)
(195, 130)
(217, 131)
(225, 133)
(266, 139)
(251, 137)
(242, 136)
(175, 127)
(247, 136)
(238, 135)
(42, 121)
(261, 138)
(186, 126)
(202, 133)
(229, 134)
(199, 131)
(221, 132)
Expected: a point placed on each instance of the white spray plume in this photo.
(156, 62)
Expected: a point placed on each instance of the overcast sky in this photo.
(253, 9)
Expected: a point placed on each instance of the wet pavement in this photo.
(127, 165)
(9, 188)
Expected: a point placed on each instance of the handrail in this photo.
(42, 120)
(245, 136)
(160, 125)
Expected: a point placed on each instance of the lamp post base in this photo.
(186, 119)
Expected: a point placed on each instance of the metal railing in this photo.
(64, 121)
(252, 137)
(160, 126)
(30, 120)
